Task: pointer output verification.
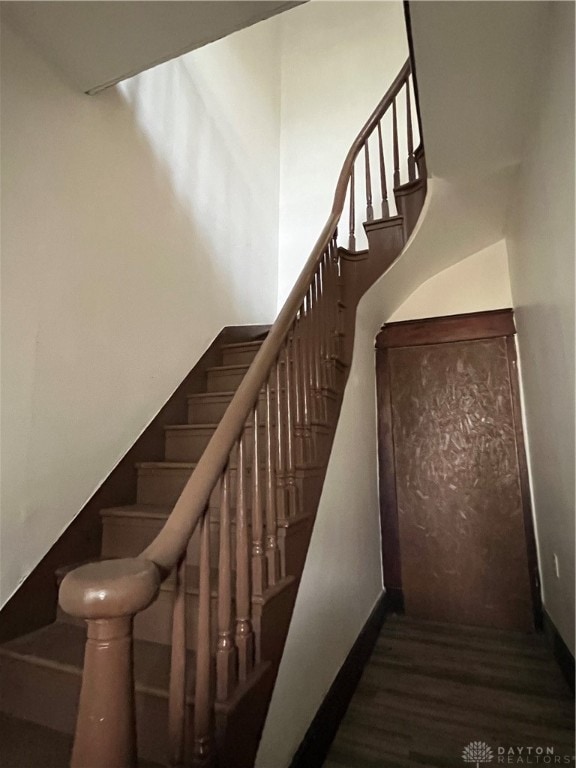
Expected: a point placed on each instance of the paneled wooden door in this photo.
(458, 543)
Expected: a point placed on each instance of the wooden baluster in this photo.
(299, 448)
(337, 308)
(281, 479)
(383, 184)
(177, 689)
(244, 634)
(225, 652)
(369, 208)
(325, 324)
(258, 557)
(291, 488)
(314, 412)
(316, 315)
(280, 444)
(331, 315)
(324, 336)
(203, 687)
(352, 219)
(411, 158)
(396, 152)
(304, 361)
(272, 553)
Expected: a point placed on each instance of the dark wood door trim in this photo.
(387, 486)
(437, 330)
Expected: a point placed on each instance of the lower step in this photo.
(43, 673)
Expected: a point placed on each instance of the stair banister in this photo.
(167, 547)
(296, 361)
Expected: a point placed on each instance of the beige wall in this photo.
(481, 281)
(125, 251)
(541, 246)
(338, 59)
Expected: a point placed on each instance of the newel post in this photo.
(107, 595)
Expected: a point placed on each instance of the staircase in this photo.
(189, 606)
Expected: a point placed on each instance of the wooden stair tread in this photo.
(166, 464)
(191, 465)
(223, 394)
(409, 186)
(243, 344)
(205, 426)
(61, 646)
(148, 511)
(29, 745)
(232, 368)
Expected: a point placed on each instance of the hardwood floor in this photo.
(430, 689)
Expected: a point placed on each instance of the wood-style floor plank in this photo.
(430, 689)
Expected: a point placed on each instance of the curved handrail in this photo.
(296, 368)
(172, 540)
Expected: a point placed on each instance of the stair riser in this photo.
(240, 355)
(128, 537)
(189, 445)
(409, 206)
(26, 681)
(162, 487)
(224, 381)
(210, 410)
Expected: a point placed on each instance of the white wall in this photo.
(481, 281)
(136, 224)
(338, 59)
(541, 247)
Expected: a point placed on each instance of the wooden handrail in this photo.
(295, 369)
(171, 541)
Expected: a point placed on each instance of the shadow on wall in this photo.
(211, 162)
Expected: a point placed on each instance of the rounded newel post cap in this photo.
(109, 589)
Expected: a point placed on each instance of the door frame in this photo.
(473, 326)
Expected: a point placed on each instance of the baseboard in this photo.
(314, 748)
(395, 599)
(562, 653)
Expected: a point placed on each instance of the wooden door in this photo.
(457, 539)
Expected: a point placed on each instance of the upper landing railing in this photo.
(268, 432)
